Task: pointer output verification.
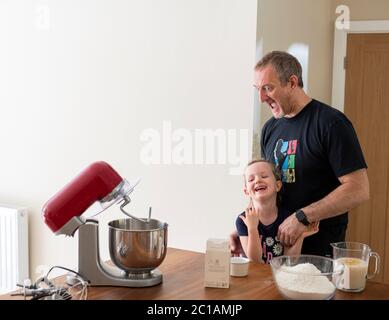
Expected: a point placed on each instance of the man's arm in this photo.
(353, 191)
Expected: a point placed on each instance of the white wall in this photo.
(80, 81)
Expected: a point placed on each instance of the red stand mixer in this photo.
(137, 246)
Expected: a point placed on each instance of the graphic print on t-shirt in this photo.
(284, 158)
(271, 247)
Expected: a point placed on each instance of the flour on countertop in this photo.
(304, 283)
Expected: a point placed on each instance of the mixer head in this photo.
(98, 182)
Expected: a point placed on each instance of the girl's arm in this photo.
(251, 244)
(296, 248)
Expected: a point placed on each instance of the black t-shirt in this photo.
(271, 246)
(312, 149)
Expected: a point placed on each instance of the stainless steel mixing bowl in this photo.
(137, 247)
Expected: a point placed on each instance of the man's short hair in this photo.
(284, 64)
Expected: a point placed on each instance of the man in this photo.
(316, 148)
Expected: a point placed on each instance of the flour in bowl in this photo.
(303, 281)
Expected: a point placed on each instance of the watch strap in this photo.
(301, 217)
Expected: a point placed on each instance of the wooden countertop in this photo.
(183, 279)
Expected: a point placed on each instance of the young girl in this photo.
(258, 225)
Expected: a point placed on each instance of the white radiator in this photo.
(13, 247)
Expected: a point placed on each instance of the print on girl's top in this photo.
(284, 159)
(271, 246)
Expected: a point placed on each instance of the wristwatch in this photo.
(301, 217)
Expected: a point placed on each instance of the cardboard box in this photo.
(217, 264)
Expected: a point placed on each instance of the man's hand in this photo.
(235, 245)
(290, 230)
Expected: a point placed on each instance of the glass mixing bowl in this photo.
(306, 277)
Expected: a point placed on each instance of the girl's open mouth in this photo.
(259, 188)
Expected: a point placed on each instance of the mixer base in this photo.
(99, 273)
(152, 278)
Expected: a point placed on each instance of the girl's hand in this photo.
(236, 245)
(296, 248)
(251, 220)
(312, 229)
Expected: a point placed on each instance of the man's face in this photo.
(271, 91)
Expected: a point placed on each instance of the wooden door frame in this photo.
(340, 48)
